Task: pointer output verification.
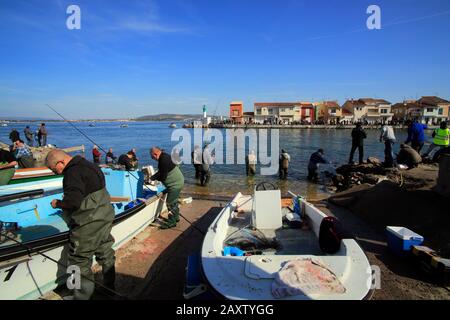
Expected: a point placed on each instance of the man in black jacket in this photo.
(126, 160)
(88, 212)
(358, 136)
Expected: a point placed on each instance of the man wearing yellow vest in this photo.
(441, 138)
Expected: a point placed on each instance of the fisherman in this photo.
(207, 161)
(14, 135)
(96, 155)
(43, 135)
(358, 136)
(408, 156)
(23, 154)
(283, 167)
(134, 158)
(172, 178)
(316, 158)
(416, 135)
(110, 158)
(126, 161)
(28, 135)
(388, 137)
(89, 214)
(196, 156)
(250, 163)
(440, 138)
(8, 165)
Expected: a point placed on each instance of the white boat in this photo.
(29, 219)
(172, 125)
(286, 263)
(124, 125)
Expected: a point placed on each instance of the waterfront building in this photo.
(283, 112)
(328, 112)
(368, 110)
(428, 110)
(237, 112)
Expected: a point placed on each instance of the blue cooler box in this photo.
(400, 240)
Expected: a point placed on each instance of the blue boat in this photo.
(30, 226)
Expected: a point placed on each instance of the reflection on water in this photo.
(226, 179)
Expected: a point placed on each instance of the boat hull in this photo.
(28, 277)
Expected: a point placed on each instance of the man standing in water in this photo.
(172, 178)
(358, 136)
(43, 132)
(285, 158)
(250, 163)
(207, 161)
(89, 214)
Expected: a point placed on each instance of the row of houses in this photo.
(429, 110)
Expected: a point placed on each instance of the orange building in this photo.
(237, 112)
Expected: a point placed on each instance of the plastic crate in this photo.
(401, 240)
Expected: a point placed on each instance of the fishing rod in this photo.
(29, 250)
(131, 174)
(85, 135)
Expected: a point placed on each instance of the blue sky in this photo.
(133, 57)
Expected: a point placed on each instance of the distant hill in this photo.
(169, 117)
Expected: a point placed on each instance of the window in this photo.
(270, 111)
(258, 111)
(307, 112)
(430, 110)
(384, 111)
(441, 111)
(282, 109)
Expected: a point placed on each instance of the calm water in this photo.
(226, 179)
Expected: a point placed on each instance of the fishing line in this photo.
(30, 250)
(93, 142)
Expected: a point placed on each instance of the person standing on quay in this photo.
(358, 136)
(388, 137)
(28, 135)
(416, 135)
(172, 178)
(440, 138)
(89, 214)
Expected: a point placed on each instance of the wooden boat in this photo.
(279, 260)
(32, 174)
(28, 218)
